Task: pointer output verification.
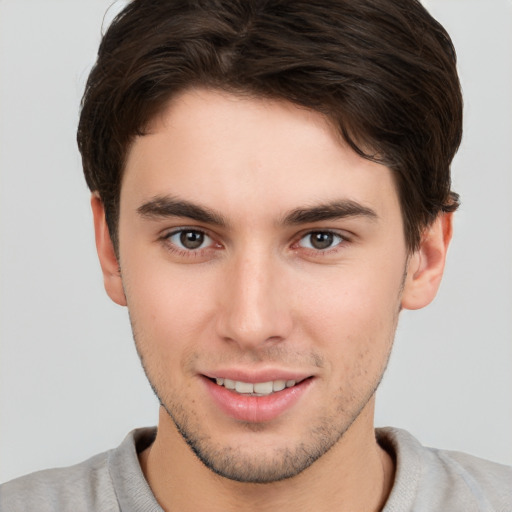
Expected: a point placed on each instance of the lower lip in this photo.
(256, 409)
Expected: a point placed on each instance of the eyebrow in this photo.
(162, 207)
(344, 208)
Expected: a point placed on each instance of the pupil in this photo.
(191, 239)
(321, 240)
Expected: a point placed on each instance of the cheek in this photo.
(166, 306)
(353, 314)
(168, 316)
(351, 297)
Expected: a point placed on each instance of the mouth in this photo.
(256, 402)
(255, 388)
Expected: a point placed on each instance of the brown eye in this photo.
(320, 240)
(189, 239)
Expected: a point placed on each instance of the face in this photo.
(260, 253)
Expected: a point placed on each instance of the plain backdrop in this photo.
(70, 381)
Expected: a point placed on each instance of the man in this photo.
(270, 188)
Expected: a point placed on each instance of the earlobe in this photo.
(106, 253)
(426, 265)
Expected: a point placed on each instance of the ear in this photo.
(426, 265)
(108, 260)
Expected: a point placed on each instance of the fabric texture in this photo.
(426, 480)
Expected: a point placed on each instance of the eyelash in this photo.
(184, 252)
(342, 240)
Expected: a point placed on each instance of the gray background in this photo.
(70, 381)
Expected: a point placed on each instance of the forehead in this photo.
(246, 154)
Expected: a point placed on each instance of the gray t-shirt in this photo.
(426, 480)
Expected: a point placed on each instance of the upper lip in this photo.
(256, 376)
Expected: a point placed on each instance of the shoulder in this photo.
(109, 482)
(476, 473)
(84, 486)
(432, 479)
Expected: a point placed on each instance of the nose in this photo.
(255, 302)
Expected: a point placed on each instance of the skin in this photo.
(259, 297)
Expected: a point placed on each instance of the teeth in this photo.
(279, 385)
(244, 387)
(258, 388)
(229, 384)
(264, 388)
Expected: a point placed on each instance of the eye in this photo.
(190, 239)
(320, 240)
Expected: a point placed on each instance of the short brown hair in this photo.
(383, 71)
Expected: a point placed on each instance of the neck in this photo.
(356, 474)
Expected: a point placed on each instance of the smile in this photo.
(256, 388)
(256, 402)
